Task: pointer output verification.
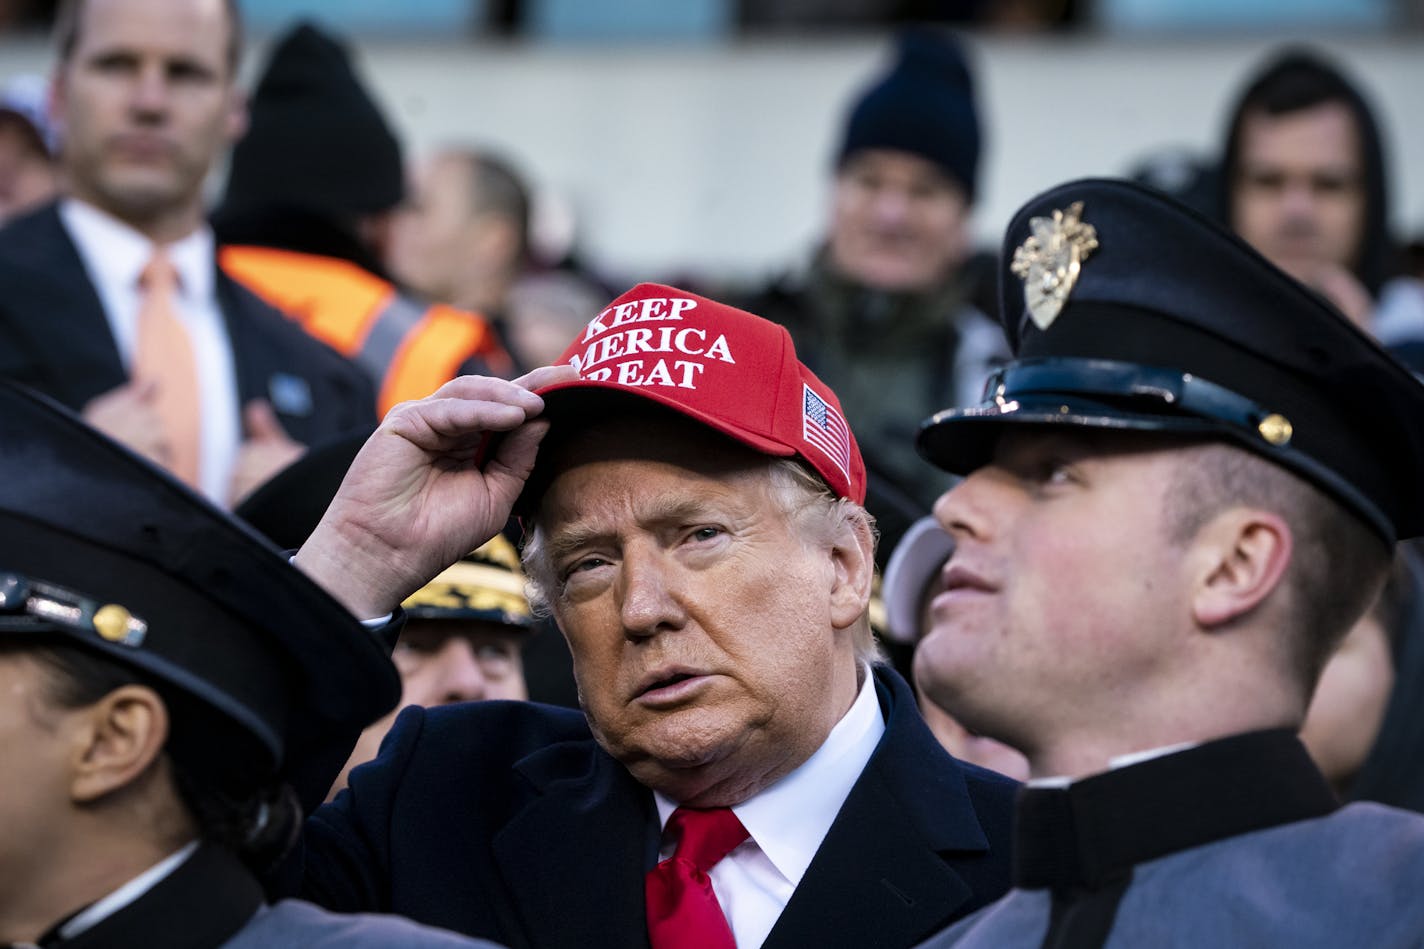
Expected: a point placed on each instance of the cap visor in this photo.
(961, 440)
(568, 403)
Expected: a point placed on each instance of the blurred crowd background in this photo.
(696, 139)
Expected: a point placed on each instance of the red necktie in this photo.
(164, 354)
(683, 912)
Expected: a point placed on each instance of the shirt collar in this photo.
(789, 819)
(101, 910)
(1121, 761)
(116, 254)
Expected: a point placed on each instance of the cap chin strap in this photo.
(1162, 391)
(27, 604)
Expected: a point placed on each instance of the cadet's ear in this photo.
(1242, 555)
(853, 557)
(120, 737)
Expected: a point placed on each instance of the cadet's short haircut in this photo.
(255, 816)
(1338, 563)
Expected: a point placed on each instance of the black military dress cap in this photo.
(102, 550)
(1126, 310)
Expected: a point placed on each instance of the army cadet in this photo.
(161, 671)
(1177, 499)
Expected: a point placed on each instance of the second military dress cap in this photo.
(103, 551)
(1126, 310)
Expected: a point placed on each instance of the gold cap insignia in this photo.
(1049, 261)
(118, 625)
(1276, 429)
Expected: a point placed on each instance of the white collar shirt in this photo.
(787, 822)
(100, 910)
(114, 256)
(1120, 761)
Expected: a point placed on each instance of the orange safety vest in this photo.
(408, 347)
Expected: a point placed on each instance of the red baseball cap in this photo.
(726, 368)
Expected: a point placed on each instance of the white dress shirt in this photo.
(788, 821)
(114, 256)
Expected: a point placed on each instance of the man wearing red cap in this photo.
(743, 774)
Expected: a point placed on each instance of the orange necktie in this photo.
(164, 355)
(683, 912)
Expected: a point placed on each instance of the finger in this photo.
(547, 376)
(513, 461)
(489, 389)
(260, 423)
(443, 424)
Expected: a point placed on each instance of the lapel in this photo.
(575, 854)
(56, 310)
(274, 359)
(248, 352)
(883, 875)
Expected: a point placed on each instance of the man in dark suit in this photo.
(744, 773)
(145, 102)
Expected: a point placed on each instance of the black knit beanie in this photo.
(317, 141)
(924, 105)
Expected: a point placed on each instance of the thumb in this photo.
(513, 461)
(260, 423)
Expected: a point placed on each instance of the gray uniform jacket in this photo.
(1350, 877)
(296, 924)
(211, 901)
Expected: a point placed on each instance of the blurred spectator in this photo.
(913, 578)
(146, 780)
(1365, 726)
(461, 642)
(109, 301)
(464, 234)
(1182, 174)
(1304, 182)
(307, 216)
(882, 312)
(466, 237)
(29, 177)
(802, 15)
(546, 311)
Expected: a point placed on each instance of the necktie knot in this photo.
(158, 275)
(705, 836)
(683, 912)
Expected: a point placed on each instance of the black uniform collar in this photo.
(201, 904)
(1096, 829)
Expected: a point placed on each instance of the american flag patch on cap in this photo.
(822, 426)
